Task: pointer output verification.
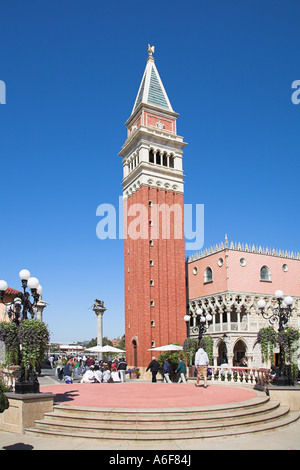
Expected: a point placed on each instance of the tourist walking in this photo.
(51, 361)
(167, 371)
(201, 363)
(122, 369)
(68, 370)
(154, 367)
(59, 369)
(71, 361)
(181, 370)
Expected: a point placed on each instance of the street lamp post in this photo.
(202, 323)
(281, 314)
(187, 320)
(22, 305)
(18, 310)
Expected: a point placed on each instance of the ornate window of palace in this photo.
(265, 274)
(208, 275)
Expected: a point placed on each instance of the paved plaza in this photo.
(142, 395)
(132, 394)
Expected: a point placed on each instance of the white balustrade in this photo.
(239, 374)
(9, 376)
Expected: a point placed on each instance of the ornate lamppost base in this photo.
(284, 377)
(282, 381)
(27, 383)
(27, 387)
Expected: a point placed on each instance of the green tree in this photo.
(122, 343)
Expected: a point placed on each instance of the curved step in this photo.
(148, 428)
(200, 434)
(147, 425)
(153, 412)
(184, 419)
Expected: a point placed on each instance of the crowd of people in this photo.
(90, 370)
(154, 368)
(201, 363)
(86, 369)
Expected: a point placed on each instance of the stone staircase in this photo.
(257, 415)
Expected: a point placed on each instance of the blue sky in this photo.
(72, 69)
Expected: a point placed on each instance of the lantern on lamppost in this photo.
(280, 314)
(22, 305)
(202, 323)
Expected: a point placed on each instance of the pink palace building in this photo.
(227, 281)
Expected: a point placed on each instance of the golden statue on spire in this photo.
(150, 50)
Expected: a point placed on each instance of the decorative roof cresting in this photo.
(243, 247)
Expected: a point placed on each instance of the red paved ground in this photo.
(146, 395)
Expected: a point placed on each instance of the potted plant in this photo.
(26, 343)
(4, 403)
(288, 341)
(267, 337)
(134, 373)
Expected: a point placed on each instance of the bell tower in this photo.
(154, 251)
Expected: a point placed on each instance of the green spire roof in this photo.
(151, 89)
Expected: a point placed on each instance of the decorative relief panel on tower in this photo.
(152, 120)
(137, 123)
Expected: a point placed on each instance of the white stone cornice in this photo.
(152, 170)
(152, 136)
(158, 180)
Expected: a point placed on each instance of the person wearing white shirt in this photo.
(224, 367)
(201, 363)
(98, 374)
(88, 376)
(106, 374)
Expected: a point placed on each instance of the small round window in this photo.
(285, 268)
(195, 271)
(220, 262)
(243, 262)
